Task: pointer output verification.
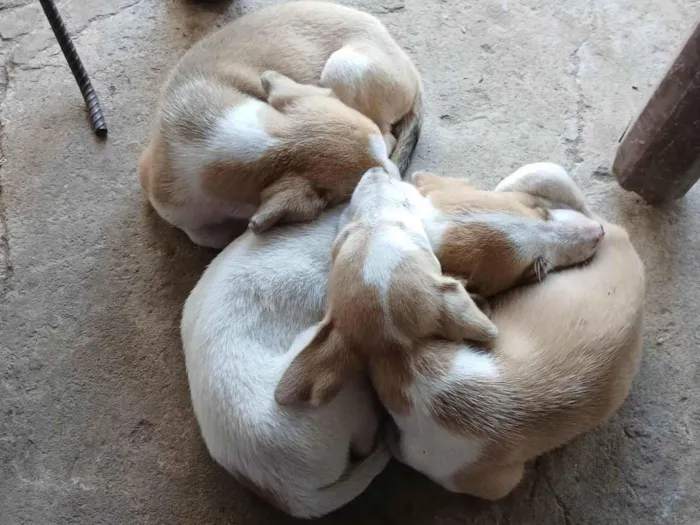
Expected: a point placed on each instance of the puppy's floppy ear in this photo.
(319, 371)
(549, 182)
(461, 317)
(280, 90)
(291, 198)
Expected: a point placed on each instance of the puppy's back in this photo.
(293, 38)
(573, 343)
(564, 360)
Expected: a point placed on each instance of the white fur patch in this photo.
(434, 222)
(346, 67)
(241, 135)
(433, 450)
(425, 444)
(469, 364)
(387, 249)
(390, 142)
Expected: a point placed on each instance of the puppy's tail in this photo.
(322, 501)
(407, 132)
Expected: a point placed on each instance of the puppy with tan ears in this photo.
(385, 290)
(276, 116)
(255, 308)
(498, 239)
(563, 362)
(470, 418)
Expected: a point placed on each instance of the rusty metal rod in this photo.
(97, 120)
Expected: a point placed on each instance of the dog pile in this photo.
(363, 316)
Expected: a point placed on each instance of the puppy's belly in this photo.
(434, 451)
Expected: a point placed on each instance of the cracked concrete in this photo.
(96, 424)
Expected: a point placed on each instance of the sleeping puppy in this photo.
(255, 308)
(495, 240)
(562, 363)
(276, 116)
(385, 290)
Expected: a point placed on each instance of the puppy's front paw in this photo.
(268, 78)
(255, 227)
(260, 225)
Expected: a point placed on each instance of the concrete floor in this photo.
(95, 421)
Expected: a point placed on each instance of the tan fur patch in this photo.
(558, 376)
(392, 377)
(156, 177)
(486, 257)
(230, 181)
(455, 196)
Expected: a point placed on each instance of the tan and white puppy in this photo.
(385, 290)
(276, 116)
(256, 306)
(470, 418)
(564, 360)
(533, 223)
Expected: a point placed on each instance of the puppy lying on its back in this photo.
(277, 116)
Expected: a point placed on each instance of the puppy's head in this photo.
(499, 239)
(339, 141)
(382, 196)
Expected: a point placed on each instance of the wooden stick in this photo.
(659, 156)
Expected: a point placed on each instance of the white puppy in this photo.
(257, 299)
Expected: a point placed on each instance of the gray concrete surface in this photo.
(95, 420)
